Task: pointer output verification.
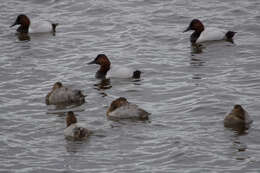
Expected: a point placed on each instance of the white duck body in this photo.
(212, 34)
(66, 95)
(128, 111)
(117, 71)
(40, 26)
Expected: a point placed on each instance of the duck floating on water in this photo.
(106, 70)
(122, 109)
(34, 26)
(237, 117)
(64, 95)
(74, 130)
(202, 34)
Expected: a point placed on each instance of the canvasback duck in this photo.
(238, 116)
(27, 26)
(74, 130)
(122, 109)
(202, 34)
(106, 70)
(63, 95)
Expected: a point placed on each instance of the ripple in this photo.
(188, 93)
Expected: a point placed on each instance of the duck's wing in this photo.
(76, 96)
(40, 26)
(211, 34)
(66, 95)
(60, 95)
(117, 71)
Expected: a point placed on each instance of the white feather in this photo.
(211, 34)
(68, 132)
(40, 26)
(117, 71)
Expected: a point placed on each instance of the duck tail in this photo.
(54, 25)
(230, 34)
(136, 74)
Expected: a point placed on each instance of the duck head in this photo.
(116, 104)
(104, 63)
(57, 85)
(24, 23)
(71, 118)
(195, 25)
(101, 59)
(239, 112)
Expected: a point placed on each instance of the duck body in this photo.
(75, 130)
(41, 26)
(237, 117)
(212, 34)
(33, 26)
(122, 109)
(202, 34)
(107, 70)
(117, 71)
(64, 95)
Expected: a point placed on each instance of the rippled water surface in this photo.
(188, 94)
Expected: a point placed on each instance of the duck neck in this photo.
(24, 25)
(102, 72)
(24, 28)
(194, 36)
(71, 122)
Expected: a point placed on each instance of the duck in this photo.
(27, 26)
(202, 34)
(120, 108)
(237, 117)
(64, 95)
(74, 130)
(106, 70)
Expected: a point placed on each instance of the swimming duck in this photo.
(238, 116)
(122, 109)
(63, 95)
(106, 70)
(27, 26)
(74, 130)
(202, 34)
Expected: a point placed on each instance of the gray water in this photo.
(187, 93)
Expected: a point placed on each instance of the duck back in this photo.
(66, 95)
(129, 111)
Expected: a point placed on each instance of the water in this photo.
(187, 93)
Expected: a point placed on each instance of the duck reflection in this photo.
(60, 110)
(75, 146)
(195, 62)
(239, 130)
(103, 84)
(23, 36)
(196, 48)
